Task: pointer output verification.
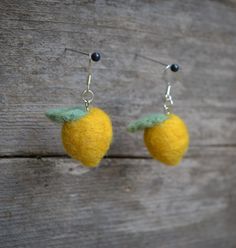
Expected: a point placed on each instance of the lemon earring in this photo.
(86, 132)
(165, 134)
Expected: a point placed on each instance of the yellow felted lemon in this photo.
(86, 136)
(166, 137)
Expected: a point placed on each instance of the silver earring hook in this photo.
(87, 94)
(168, 101)
(173, 68)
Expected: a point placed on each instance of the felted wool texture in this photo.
(61, 115)
(89, 138)
(147, 121)
(168, 141)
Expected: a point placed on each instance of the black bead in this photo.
(95, 56)
(174, 67)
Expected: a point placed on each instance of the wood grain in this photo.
(48, 200)
(54, 202)
(36, 75)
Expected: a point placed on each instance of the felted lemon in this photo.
(86, 135)
(166, 136)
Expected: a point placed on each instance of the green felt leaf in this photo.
(65, 114)
(146, 122)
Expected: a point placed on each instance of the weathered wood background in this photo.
(47, 199)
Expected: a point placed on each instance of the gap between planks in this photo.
(190, 153)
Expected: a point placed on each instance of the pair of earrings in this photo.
(87, 132)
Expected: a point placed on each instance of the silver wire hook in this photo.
(87, 94)
(168, 101)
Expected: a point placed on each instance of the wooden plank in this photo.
(54, 202)
(36, 76)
